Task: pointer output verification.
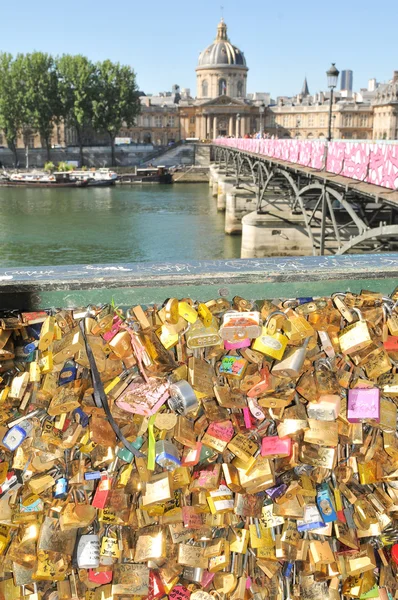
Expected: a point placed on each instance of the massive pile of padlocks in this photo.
(226, 450)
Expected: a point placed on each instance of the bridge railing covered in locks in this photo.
(370, 162)
(249, 447)
(32, 288)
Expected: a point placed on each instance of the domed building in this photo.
(221, 69)
(221, 107)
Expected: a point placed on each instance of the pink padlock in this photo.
(237, 345)
(144, 397)
(363, 403)
(116, 324)
(276, 447)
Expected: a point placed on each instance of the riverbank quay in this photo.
(156, 420)
(94, 156)
(127, 155)
(191, 175)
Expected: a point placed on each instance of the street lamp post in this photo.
(238, 121)
(261, 109)
(332, 75)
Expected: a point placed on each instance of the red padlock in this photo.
(102, 492)
(391, 343)
(156, 589)
(100, 577)
(394, 553)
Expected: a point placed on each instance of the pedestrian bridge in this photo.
(345, 191)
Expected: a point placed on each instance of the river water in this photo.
(118, 224)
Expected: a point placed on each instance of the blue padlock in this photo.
(81, 417)
(68, 372)
(61, 488)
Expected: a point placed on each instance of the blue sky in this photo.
(282, 41)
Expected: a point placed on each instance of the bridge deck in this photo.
(380, 194)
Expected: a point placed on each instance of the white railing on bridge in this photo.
(370, 162)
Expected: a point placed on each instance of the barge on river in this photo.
(159, 174)
(41, 180)
(74, 179)
(96, 178)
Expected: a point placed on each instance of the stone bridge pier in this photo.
(275, 233)
(239, 202)
(225, 184)
(213, 175)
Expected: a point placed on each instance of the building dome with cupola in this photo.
(222, 69)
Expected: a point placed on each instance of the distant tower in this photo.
(347, 79)
(305, 91)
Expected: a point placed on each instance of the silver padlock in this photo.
(292, 365)
(183, 399)
(88, 551)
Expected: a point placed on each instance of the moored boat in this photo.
(38, 179)
(159, 174)
(97, 178)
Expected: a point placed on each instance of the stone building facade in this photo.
(350, 120)
(385, 107)
(158, 123)
(31, 139)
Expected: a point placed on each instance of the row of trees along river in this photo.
(38, 90)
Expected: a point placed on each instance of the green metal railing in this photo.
(146, 283)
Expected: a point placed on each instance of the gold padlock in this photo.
(355, 337)
(272, 341)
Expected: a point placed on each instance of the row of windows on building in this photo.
(298, 121)
(351, 121)
(311, 121)
(348, 135)
(157, 121)
(222, 88)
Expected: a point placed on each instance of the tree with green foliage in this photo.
(76, 85)
(116, 102)
(64, 166)
(12, 99)
(49, 167)
(43, 107)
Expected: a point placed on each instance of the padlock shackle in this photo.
(358, 312)
(276, 312)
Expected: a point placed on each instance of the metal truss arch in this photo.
(337, 196)
(379, 234)
(339, 215)
(277, 176)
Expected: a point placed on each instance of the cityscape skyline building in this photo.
(346, 80)
(223, 107)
